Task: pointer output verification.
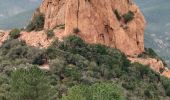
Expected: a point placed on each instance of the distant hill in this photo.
(157, 35)
(15, 14)
(11, 7)
(20, 20)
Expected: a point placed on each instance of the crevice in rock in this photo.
(137, 42)
(78, 12)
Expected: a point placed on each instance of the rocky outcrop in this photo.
(3, 36)
(95, 21)
(155, 64)
(39, 39)
(166, 73)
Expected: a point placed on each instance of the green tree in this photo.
(14, 34)
(29, 84)
(98, 91)
(76, 93)
(37, 23)
(106, 91)
(128, 16)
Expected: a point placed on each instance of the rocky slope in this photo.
(154, 64)
(96, 22)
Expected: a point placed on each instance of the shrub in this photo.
(73, 44)
(148, 93)
(98, 91)
(29, 83)
(37, 23)
(72, 72)
(16, 49)
(128, 17)
(10, 44)
(149, 53)
(14, 34)
(50, 33)
(166, 83)
(61, 26)
(57, 65)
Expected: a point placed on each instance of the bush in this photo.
(50, 33)
(72, 72)
(166, 84)
(98, 91)
(149, 53)
(37, 23)
(10, 44)
(128, 17)
(29, 83)
(57, 66)
(14, 34)
(61, 26)
(16, 49)
(73, 44)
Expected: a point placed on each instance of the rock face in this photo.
(154, 64)
(95, 21)
(3, 36)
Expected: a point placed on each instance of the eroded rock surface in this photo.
(95, 21)
(154, 64)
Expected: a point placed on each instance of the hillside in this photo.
(81, 50)
(156, 30)
(75, 69)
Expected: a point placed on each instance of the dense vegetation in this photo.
(37, 24)
(78, 71)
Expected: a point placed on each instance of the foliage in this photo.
(98, 91)
(14, 33)
(29, 84)
(128, 17)
(166, 84)
(61, 26)
(50, 33)
(77, 67)
(37, 23)
(16, 49)
(149, 53)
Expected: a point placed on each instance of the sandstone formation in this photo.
(154, 64)
(36, 39)
(95, 21)
(3, 36)
(166, 73)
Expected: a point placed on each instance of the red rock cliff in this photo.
(96, 22)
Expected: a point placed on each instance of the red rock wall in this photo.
(97, 22)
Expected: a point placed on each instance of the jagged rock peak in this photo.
(115, 23)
